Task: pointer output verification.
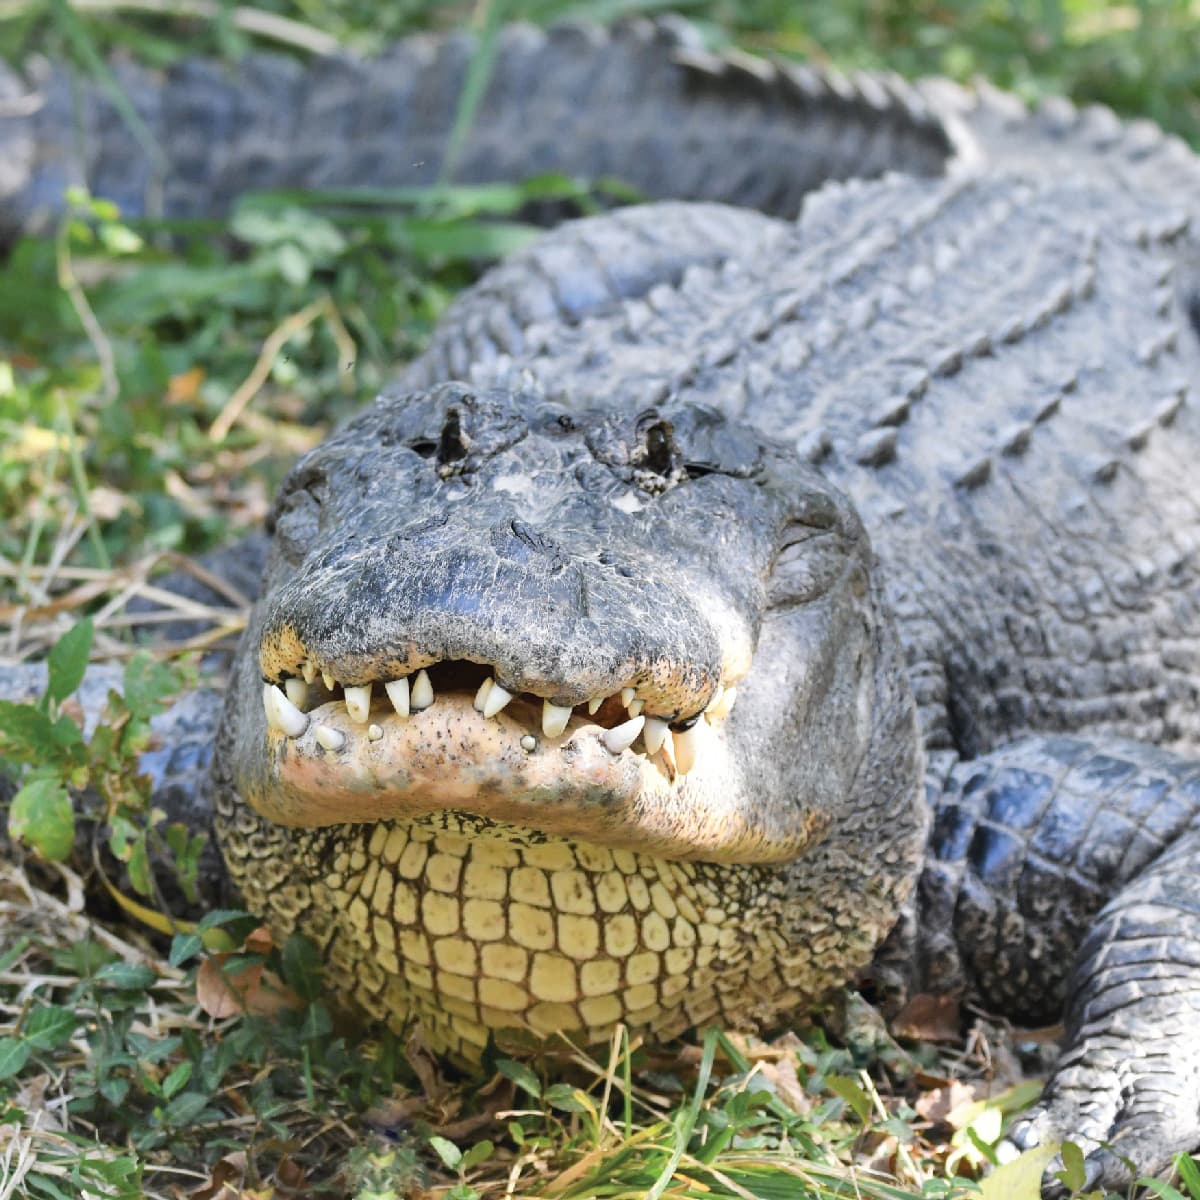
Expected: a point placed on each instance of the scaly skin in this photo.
(991, 373)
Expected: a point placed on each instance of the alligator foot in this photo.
(1127, 1088)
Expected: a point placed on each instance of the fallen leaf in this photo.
(222, 992)
(185, 387)
(225, 1179)
(928, 1018)
(936, 1105)
(787, 1085)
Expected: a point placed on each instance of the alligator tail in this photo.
(642, 102)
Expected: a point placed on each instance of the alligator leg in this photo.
(1061, 877)
(1127, 1086)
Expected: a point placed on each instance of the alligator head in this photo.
(655, 632)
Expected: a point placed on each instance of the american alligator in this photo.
(903, 466)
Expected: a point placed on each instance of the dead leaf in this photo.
(225, 1180)
(936, 1105)
(185, 387)
(259, 941)
(787, 1085)
(223, 992)
(928, 1018)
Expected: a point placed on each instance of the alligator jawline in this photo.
(450, 757)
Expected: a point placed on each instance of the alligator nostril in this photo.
(453, 445)
(660, 449)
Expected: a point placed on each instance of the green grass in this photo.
(155, 382)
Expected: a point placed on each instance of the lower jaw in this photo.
(474, 931)
(449, 757)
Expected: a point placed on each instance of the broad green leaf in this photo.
(294, 264)
(521, 1075)
(1073, 1174)
(1020, 1179)
(148, 683)
(41, 816)
(566, 1098)
(302, 967)
(176, 1079)
(50, 1026)
(183, 947)
(120, 239)
(854, 1096)
(27, 733)
(185, 1108)
(447, 1151)
(129, 977)
(478, 1153)
(68, 660)
(14, 1054)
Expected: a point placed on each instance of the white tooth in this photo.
(331, 739)
(716, 698)
(358, 703)
(498, 697)
(397, 692)
(688, 743)
(627, 695)
(635, 709)
(529, 743)
(594, 705)
(719, 711)
(374, 732)
(282, 714)
(422, 691)
(554, 718)
(297, 691)
(622, 736)
(655, 734)
(309, 671)
(328, 680)
(482, 695)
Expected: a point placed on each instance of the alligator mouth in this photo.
(449, 736)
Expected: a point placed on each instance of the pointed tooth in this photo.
(422, 692)
(720, 710)
(594, 705)
(358, 703)
(554, 718)
(529, 743)
(482, 695)
(621, 737)
(296, 691)
(634, 709)
(397, 693)
(374, 732)
(627, 695)
(331, 739)
(282, 714)
(716, 698)
(688, 746)
(655, 733)
(328, 680)
(309, 671)
(498, 697)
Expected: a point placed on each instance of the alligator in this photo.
(787, 580)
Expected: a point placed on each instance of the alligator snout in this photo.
(567, 627)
